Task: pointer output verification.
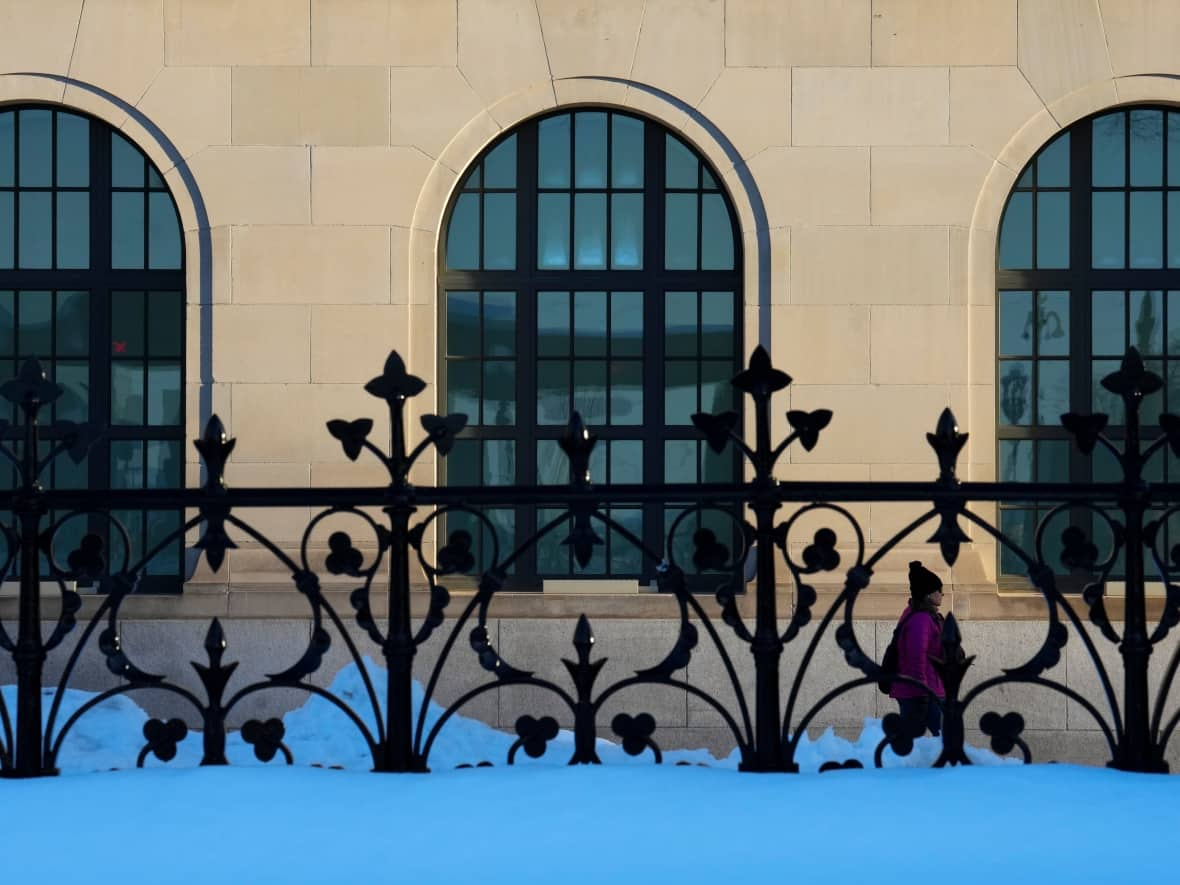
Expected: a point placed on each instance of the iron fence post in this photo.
(1135, 750)
(767, 646)
(398, 650)
(29, 656)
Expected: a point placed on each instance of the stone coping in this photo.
(279, 601)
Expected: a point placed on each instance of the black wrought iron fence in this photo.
(767, 733)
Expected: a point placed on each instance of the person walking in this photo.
(919, 648)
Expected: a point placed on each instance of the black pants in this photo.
(920, 715)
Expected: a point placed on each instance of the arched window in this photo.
(590, 262)
(1088, 265)
(92, 285)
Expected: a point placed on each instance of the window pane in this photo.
(1016, 319)
(163, 399)
(7, 149)
(499, 168)
(499, 232)
(626, 231)
(36, 149)
(127, 323)
(553, 152)
(463, 323)
(73, 151)
(1109, 150)
(126, 392)
(1053, 163)
(127, 464)
(1147, 148)
(626, 323)
(1173, 149)
(716, 390)
(499, 392)
(553, 391)
(463, 465)
(499, 462)
(1053, 324)
(681, 168)
(1052, 391)
(553, 231)
(7, 230)
(1173, 228)
(626, 392)
(716, 234)
(7, 329)
(163, 233)
(1019, 526)
(1147, 232)
(1101, 399)
(589, 324)
(590, 231)
(1149, 412)
(625, 557)
(1053, 230)
(1016, 232)
(626, 151)
(36, 230)
(74, 376)
(1052, 461)
(1108, 323)
(680, 391)
(73, 323)
(680, 460)
(463, 389)
(680, 231)
(126, 163)
(590, 149)
(499, 323)
(160, 525)
(1147, 321)
(73, 229)
(165, 312)
(1107, 230)
(1015, 391)
(1173, 341)
(680, 323)
(590, 390)
(553, 323)
(1016, 460)
(717, 323)
(163, 464)
(127, 230)
(35, 337)
(463, 234)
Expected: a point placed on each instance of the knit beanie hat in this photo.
(923, 581)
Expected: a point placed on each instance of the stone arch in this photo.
(67, 93)
(608, 92)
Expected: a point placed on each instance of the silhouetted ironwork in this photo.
(766, 734)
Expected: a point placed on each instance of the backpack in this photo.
(889, 659)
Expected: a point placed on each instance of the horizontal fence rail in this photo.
(766, 732)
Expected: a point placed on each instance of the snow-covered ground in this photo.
(543, 822)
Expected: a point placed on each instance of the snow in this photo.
(543, 821)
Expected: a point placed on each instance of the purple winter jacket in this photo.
(919, 639)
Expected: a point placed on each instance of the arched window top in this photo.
(593, 172)
(589, 262)
(1087, 265)
(92, 285)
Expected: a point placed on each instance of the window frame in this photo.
(526, 280)
(100, 280)
(1080, 280)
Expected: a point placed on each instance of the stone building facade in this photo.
(867, 148)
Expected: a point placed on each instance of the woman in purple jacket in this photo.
(919, 646)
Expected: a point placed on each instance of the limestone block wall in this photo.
(868, 146)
